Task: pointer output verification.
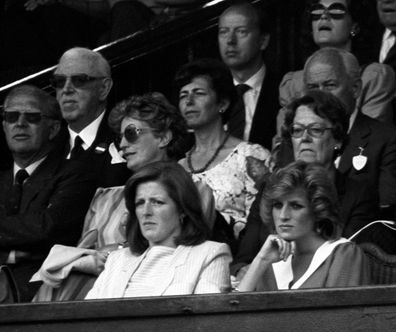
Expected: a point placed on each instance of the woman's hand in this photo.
(102, 254)
(275, 249)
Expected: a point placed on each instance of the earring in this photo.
(221, 111)
(353, 33)
(181, 218)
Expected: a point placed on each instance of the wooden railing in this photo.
(352, 309)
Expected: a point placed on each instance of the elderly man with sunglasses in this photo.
(43, 197)
(82, 81)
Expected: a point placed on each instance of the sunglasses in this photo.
(78, 80)
(132, 133)
(314, 130)
(32, 118)
(336, 11)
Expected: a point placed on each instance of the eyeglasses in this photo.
(32, 118)
(132, 133)
(314, 130)
(336, 11)
(78, 80)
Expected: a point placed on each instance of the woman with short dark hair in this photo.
(228, 165)
(168, 251)
(300, 204)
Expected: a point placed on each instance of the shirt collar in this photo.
(387, 34)
(31, 168)
(88, 134)
(352, 118)
(256, 80)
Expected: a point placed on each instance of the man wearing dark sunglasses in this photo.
(43, 197)
(82, 81)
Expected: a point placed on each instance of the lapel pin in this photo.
(360, 160)
(100, 148)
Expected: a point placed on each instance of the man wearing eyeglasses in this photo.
(370, 152)
(82, 81)
(243, 35)
(43, 197)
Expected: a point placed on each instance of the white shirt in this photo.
(250, 98)
(88, 134)
(388, 40)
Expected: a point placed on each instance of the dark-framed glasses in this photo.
(30, 117)
(132, 133)
(78, 80)
(336, 11)
(314, 130)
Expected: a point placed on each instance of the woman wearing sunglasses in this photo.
(316, 124)
(226, 164)
(349, 25)
(150, 129)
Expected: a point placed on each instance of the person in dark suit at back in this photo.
(82, 81)
(387, 14)
(243, 35)
(43, 197)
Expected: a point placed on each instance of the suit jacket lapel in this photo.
(39, 179)
(358, 137)
(264, 119)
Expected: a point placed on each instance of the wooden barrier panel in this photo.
(352, 309)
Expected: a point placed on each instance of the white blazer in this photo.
(193, 270)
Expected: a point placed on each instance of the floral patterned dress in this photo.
(233, 182)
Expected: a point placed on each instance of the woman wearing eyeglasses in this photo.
(150, 129)
(348, 25)
(316, 124)
(228, 165)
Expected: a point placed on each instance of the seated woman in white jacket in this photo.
(168, 251)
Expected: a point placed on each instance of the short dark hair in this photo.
(324, 105)
(159, 114)
(181, 189)
(218, 76)
(48, 104)
(320, 192)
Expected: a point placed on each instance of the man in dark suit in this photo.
(370, 152)
(243, 35)
(82, 81)
(43, 197)
(387, 14)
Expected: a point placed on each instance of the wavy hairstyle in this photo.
(320, 192)
(218, 76)
(159, 114)
(324, 105)
(181, 189)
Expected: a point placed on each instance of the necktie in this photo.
(236, 123)
(388, 45)
(77, 148)
(14, 198)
